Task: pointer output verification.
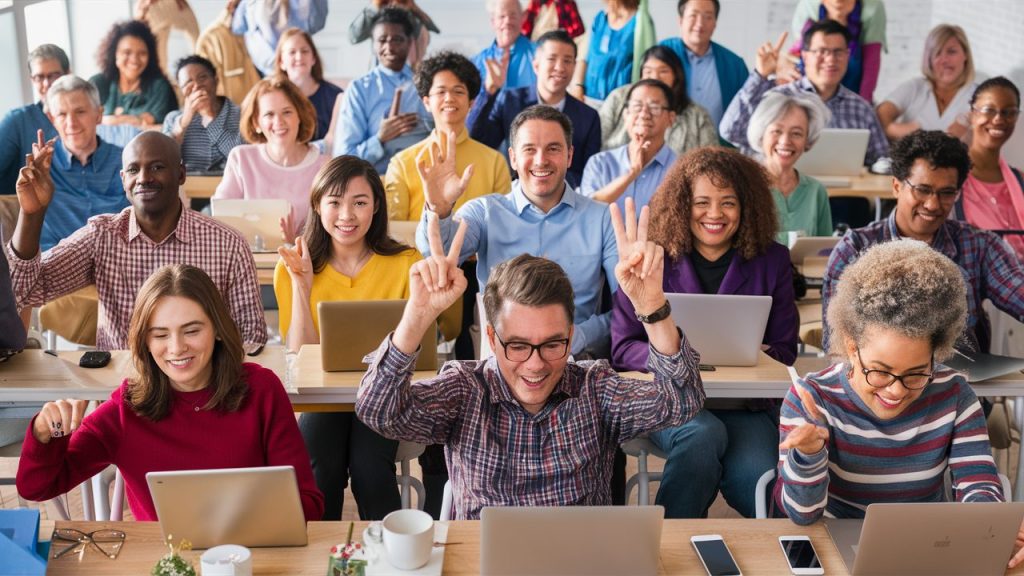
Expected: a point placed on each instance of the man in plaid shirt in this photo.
(529, 427)
(118, 252)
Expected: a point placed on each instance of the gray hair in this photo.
(905, 286)
(69, 83)
(492, 5)
(775, 105)
(50, 52)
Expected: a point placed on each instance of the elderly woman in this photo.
(206, 127)
(782, 128)
(940, 98)
(132, 87)
(298, 59)
(714, 217)
(896, 315)
(692, 127)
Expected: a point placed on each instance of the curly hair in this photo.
(938, 149)
(248, 123)
(453, 62)
(672, 204)
(106, 55)
(903, 285)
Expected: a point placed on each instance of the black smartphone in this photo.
(94, 359)
(706, 367)
(715, 555)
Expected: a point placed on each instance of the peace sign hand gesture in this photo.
(641, 261)
(442, 185)
(768, 56)
(809, 437)
(35, 186)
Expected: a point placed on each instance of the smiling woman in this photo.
(132, 88)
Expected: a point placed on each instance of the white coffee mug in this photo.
(226, 560)
(408, 538)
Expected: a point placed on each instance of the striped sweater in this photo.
(870, 460)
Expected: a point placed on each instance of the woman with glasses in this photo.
(993, 195)
(887, 420)
(191, 404)
(715, 218)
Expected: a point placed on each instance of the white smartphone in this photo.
(715, 555)
(800, 554)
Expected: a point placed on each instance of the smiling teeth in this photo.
(179, 363)
(714, 226)
(537, 381)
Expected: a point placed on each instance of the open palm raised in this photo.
(442, 186)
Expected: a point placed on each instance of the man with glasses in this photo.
(636, 169)
(928, 169)
(530, 427)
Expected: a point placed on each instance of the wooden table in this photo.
(874, 187)
(200, 186)
(265, 264)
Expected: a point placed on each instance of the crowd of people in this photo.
(570, 174)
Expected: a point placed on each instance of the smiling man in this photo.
(929, 169)
(118, 252)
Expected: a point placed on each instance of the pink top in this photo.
(263, 432)
(996, 206)
(250, 173)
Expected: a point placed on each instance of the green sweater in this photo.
(805, 209)
(155, 96)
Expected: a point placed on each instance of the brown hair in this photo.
(672, 204)
(251, 109)
(332, 180)
(149, 389)
(318, 68)
(529, 281)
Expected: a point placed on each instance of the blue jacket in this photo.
(732, 71)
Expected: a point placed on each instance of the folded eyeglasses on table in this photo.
(65, 540)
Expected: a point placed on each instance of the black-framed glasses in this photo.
(636, 107)
(522, 351)
(990, 112)
(65, 540)
(884, 379)
(923, 192)
(51, 77)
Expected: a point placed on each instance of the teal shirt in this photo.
(156, 97)
(805, 209)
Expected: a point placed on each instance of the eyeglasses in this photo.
(109, 542)
(883, 379)
(522, 351)
(989, 112)
(923, 193)
(836, 53)
(443, 93)
(51, 77)
(636, 107)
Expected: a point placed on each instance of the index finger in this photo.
(39, 137)
(630, 220)
(642, 223)
(620, 231)
(782, 40)
(456, 248)
(395, 103)
(77, 412)
(434, 235)
(808, 403)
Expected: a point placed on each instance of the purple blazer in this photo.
(767, 275)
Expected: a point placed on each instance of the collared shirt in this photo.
(206, 148)
(520, 63)
(988, 265)
(608, 165)
(848, 111)
(365, 105)
(703, 87)
(577, 234)
(17, 134)
(501, 455)
(80, 192)
(258, 21)
(112, 252)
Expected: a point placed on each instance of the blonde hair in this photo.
(937, 38)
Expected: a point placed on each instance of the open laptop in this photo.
(726, 329)
(245, 506)
(811, 246)
(980, 366)
(570, 540)
(974, 538)
(836, 157)
(349, 330)
(258, 221)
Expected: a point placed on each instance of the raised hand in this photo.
(58, 419)
(641, 261)
(296, 261)
(640, 154)
(497, 71)
(767, 61)
(436, 282)
(442, 185)
(809, 437)
(35, 186)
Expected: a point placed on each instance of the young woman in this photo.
(280, 162)
(191, 404)
(714, 216)
(298, 59)
(132, 87)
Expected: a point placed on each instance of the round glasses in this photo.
(884, 379)
(521, 351)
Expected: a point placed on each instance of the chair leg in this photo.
(117, 504)
(644, 480)
(403, 479)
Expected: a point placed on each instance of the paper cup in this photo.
(226, 560)
(408, 538)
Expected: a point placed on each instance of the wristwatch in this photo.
(656, 316)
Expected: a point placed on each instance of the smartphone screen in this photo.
(800, 554)
(716, 557)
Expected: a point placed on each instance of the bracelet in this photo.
(656, 316)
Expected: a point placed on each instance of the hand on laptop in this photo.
(442, 186)
(58, 419)
(810, 437)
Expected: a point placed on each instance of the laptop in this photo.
(980, 366)
(726, 329)
(974, 538)
(811, 246)
(349, 330)
(258, 221)
(836, 157)
(570, 540)
(246, 506)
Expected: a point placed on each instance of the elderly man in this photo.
(529, 427)
(508, 61)
(118, 252)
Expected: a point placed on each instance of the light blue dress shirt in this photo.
(257, 20)
(80, 192)
(365, 105)
(704, 88)
(520, 63)
(577, 234)
(608, 165)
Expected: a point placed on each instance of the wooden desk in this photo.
(200, 186)
(874, 187)
(265, 264)
(754, 543)
(766, 379)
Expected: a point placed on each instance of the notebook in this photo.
(726, 329)
(349, 330)
(836, 157)
(258, 221)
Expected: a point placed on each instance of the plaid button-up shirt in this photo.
(568, 16)
(501, 455)
(111, 252)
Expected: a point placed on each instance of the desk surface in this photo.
(200, 186)
(754, 543)
(867, 185)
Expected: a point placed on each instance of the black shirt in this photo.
(710, 274)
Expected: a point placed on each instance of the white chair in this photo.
(641, 448)
(447, 504)
(407, 452)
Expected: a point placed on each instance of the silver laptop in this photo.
(258, 221)
(349, 330)
(570, 540)
(811, 246)
(726, 329)
(837, 156)
(973, 538)
(246, 506)
(980, 367)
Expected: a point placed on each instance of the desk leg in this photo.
(878, 209)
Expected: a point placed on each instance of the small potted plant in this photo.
(173, 564)
(342, 562)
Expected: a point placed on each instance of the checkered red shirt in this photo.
(568, 17)
(501, 455)
(112, 252)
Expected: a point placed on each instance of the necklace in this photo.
(352, 271)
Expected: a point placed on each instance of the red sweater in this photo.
(262, 432)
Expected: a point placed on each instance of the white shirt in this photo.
(916, 101)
